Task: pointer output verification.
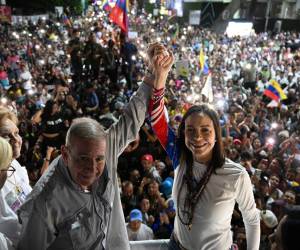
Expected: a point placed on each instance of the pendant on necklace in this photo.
(18, 189)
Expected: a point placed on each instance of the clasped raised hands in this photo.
(160, 61)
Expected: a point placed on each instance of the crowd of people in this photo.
(53, 72)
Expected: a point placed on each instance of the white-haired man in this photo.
(76, 204)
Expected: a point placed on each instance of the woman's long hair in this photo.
(47, 111)
(194, 191)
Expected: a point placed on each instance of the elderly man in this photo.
(76, 203)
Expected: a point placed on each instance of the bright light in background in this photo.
(143, 54)
(248, 66)
(30, 92)
(196, 78)
(218, 95)
(274, 125)
(271, 141)
(189, 98)
(3, 100)
(158, 39)
(244, 29)
(220, 104)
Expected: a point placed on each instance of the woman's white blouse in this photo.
(212, 216)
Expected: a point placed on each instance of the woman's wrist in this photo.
(149, 79)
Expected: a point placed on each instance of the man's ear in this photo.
(64, 154)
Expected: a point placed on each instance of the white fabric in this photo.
(207, 89)
(5, 243)
(26, 78)
(12, 196)
(144, 233)
(212, 216)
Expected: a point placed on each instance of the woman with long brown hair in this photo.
(206, 184)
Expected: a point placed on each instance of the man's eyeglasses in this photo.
(10, 171)
(84, 159)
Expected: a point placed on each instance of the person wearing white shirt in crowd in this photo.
(5, 171)
(16, 187)
(136, 229)
(26, 78)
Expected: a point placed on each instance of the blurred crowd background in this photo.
(57, 69)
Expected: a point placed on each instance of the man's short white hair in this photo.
(85, 128)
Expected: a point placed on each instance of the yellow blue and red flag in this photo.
(66, 20)
(118, 14)
(274, 91)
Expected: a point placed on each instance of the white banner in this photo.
(194, 17)
(21, 19)
(59, 10)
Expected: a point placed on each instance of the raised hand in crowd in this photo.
(160, 63)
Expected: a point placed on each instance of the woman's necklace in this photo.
(17, 188)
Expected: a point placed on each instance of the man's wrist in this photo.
(160, 81)
(149, 79)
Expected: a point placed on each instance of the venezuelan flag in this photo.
(67, 21)
(118, 14)
(277, 86)
(275, 92)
